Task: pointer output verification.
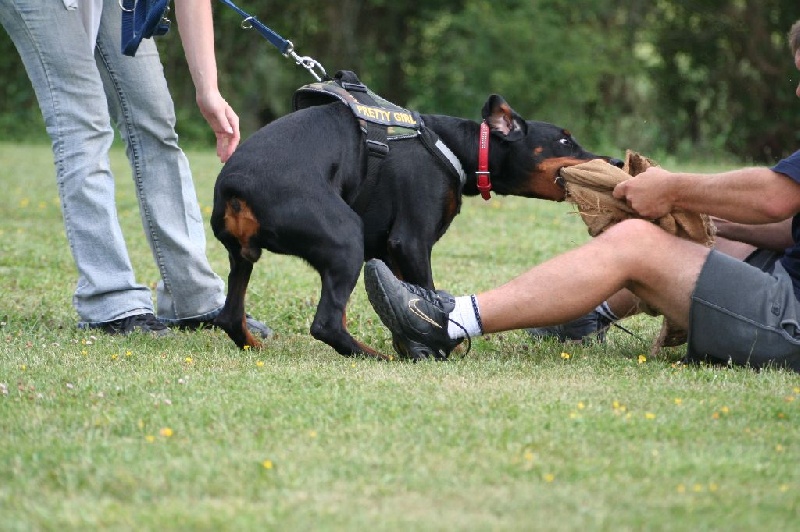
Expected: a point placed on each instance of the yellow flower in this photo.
(713, 487)
(649, 415)
(267, 464)
(779, 448)
(166, 432)
(312, 433)
(724, 410)
(150, 438)
(642, 359)
(247, 348)
(565, 356)
(188, 360)
(128, 353)
(549, 477)
(678, 401)
(114, 356)
(681, 488)
(581, 406)
(260, 363)
(528, 456)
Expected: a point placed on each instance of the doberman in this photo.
(291, 186)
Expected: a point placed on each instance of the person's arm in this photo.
(749, 195)
(196, 29)
(775, 236)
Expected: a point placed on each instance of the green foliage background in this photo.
(688, 79)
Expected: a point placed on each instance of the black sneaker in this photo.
(256, 327)
(587, 328)
(409, 311)
(144, 323)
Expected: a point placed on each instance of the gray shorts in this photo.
(745, 313)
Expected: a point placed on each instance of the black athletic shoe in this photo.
(144, 323)
(409, 311)
(256, 327)
(587, 328)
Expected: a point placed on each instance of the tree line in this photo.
(662, 77)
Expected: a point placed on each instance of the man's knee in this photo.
(636, 232)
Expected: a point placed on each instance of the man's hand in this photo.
(650, 193)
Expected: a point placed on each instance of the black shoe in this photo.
(256, 327)
(144, 323)
(587, 328)
(409, 311)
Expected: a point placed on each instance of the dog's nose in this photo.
(619, 163)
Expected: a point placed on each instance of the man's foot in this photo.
(588, 328)
(409, 311)
(144, 323)
(256, 327)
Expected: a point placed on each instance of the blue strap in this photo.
(142, 19)
(283, 45)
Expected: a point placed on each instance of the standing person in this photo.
(733, 311)
(85, 87)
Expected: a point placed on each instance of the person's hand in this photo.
(223, 120)
(649, 193)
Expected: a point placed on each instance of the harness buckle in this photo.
(377, 148)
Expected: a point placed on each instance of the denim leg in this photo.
(52, 43)
(142, 108)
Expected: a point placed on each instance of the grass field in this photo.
(189, 433)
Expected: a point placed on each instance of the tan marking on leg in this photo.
(249, 338)
(241, 223)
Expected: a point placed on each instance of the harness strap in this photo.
(377, 141)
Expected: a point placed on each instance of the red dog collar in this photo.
(484, 178)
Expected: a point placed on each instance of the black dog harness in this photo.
(381, 121)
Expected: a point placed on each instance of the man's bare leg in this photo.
(635, 254)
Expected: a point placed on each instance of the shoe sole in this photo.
(379, 299)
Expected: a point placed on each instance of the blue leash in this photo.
(284, 46)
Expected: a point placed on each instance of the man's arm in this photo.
(775, 236)
(749, 195)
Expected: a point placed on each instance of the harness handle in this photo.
(284, 46)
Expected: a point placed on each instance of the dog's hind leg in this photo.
(232, 317)
(235, 229)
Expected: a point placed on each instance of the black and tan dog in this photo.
(301, 186)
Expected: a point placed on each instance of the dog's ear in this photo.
(503, 119)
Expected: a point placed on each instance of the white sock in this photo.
(468, 316)
(606, 313)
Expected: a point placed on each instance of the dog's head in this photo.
(529, 154)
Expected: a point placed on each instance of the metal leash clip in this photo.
(309, 63)
(284, 46)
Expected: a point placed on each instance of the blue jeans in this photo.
(81, 94)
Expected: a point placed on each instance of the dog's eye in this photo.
(566, 141)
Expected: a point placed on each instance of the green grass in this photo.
(188, 432)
